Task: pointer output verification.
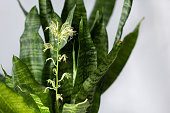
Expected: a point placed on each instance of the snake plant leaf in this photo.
(2, 77)
(107, 5)
(87, 56)
(29, 101)
(95, 101)
(27, 98)
(76, 108)
(100, 39)
(8, 79)
(80, 12)
(32, 45)
(122, 57)
(24, 80)
(124, 16)
(22, 8)
(68, 5)
(12, 102)
(46, 9)
(96, 76)
(43, 109)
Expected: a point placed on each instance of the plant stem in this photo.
(57, 104)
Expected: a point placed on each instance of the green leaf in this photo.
(42, 108)
(68, 5)
(107, 5)
(11, 102)
(22, 8)
(8, 79)
(96, 76)
(27, 98)
(80, 11)
(1, 78)
(125, 14)
(32, 45)
(24, 80)
(100, 39)
(46, 9)
(122, 57)
(87, 56)
(76, 108)
(95, 101)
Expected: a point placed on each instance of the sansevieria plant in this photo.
(70, 71)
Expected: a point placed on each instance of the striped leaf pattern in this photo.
(31, 45)
(87, 56)
(95, 77)
(46, 9)
(12, 102)
(124, 16)
(24, 80)
(100, 39)
(107, 6)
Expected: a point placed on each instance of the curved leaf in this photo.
(24, 80)
(11, 102)
(22, 8)
(107, 5)
(122, 57)
(125, 14)
(76, 108)
(32, 45)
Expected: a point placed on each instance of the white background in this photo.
(144, 84)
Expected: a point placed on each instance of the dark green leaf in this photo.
(80, 11)
(96, 76)
(2, 78)
(122, 57)
(87, 56)
(11, 102)
(76, 108)
(24, 80)
(95, 101)
(107, 5)
(22, 8)
(125, 14)
(32, 45)
(46, 9)
(68, 5)
(100, 39)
